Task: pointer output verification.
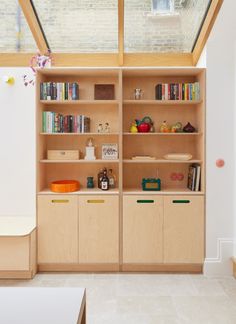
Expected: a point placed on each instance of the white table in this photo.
(42, 305)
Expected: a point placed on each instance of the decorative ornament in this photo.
(133, 128)
(177, 128)
(188, 128)
(9, 79)
(38, 61)
(164, 127)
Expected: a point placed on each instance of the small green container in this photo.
(151, 184)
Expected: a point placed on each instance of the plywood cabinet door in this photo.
(142, 229)
(57, 229)
(99, 229)
(183, 229)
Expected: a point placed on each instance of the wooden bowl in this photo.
(63, 186)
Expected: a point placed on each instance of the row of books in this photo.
(194, 175)
(59, 91)
(58, 123)
(177, 91)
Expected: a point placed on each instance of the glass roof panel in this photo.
(79, 26)
(15, 35)
(163, 25)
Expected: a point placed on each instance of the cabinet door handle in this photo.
(181, 201)
(95, 201)
(145, 201)
(60, 201)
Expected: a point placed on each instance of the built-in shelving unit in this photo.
(125, 228)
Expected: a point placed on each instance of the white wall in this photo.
(220, 212)
(17, 145)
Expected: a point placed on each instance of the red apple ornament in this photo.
(144, 127)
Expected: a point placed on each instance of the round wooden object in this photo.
(63, 186)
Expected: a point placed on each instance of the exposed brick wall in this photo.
(92, 26)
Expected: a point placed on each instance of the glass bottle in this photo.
(112, 179)
(105, 181)
(100, 175)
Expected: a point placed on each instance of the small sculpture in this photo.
(133, 128)
(138, 93)
(188, 128)
(164, 127)
(107, 128)
(90, 150)
(177, 128)
(100, 128)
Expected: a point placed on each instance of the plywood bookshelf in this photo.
(120, 112)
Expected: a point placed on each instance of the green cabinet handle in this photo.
(60, 201)
(145, 201)
(181, 201)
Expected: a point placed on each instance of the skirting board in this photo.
(170, 268)
(221, 265)
(17, 274)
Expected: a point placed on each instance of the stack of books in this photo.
(59, 91)
(178, 91)
(58, 123)
(194, 176)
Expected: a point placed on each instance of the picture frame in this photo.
(110, 151)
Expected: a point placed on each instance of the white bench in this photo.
(42, 306)
(17, 247)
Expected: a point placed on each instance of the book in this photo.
(59, 91)
(177, 91)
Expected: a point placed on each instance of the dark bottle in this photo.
(105, 181)
(100, 175)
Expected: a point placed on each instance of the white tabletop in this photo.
(40, 305)
(16, 225)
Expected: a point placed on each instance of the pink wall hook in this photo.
(220, 163)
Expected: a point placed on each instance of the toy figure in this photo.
(100, 128)
(107, 128)
(164, 127)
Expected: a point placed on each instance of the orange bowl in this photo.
(62, 186)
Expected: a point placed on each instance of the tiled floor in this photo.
(148, 299)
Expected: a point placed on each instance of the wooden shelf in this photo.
(78, 161)
(170, 192)
(83, 191)
(161, 161)
(162, 134)
(79, 102)
(162, 102)
(79, 134)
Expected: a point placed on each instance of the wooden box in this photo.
(63, 155)
(104, 91)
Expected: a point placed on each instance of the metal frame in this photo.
(110, 59)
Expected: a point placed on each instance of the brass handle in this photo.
(95, 201)
(60, 201)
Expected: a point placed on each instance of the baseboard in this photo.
(16, 274)
(221, 265)
(74, 267)
(163, 268)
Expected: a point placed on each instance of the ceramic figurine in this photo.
(164, 127)
(138, 93)
(142, 126)
(90, 150)
(188, 128)
(90, 183)
(133, 128)
(100, 128)
(177, 128)
(107, 128)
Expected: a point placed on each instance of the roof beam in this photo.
(34, 25)
(121, 31)
(206, 29)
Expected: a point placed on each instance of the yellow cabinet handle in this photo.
(60, 201)
(95, 201)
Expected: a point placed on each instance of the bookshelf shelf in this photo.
(162, 102)
(79, 161)
(79, 134)
(161, 134)
(161, 161)
(169, 192)
(79, 102)
(82, 191)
